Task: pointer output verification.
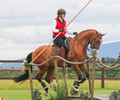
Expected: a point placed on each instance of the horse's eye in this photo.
(97, 41)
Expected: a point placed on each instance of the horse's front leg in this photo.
(42, 71)
(84, 69)
(76, 82)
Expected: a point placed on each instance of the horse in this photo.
(79, 54)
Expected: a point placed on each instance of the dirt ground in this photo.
(102, 97)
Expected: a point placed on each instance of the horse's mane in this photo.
(82, 32)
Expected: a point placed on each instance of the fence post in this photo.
(102, 75)
(93, 79)
(56, 73)
(65, 77)
(89, 79)
(30, 77)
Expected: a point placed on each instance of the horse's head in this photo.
(96, 40)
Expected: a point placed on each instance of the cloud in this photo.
(112, 30)
(16, 51)
(27, 34)
(24, 12)
(4, 42)
(17, 42)
(43, 34)
(101, 12)
(25, 24)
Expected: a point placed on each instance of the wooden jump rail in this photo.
(11, 61)
(16, 69)
(92, 59)
(6, 69)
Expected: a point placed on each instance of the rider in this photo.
(58, 25)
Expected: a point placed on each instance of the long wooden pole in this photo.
(79, 13)
(60, 32)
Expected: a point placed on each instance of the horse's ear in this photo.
(103, 34)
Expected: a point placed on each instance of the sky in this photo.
(26, 24)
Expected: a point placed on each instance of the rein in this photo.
(83, 45)
(80, 43)
(73, 44)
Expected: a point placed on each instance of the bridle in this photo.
(95, 41)
(92, 47)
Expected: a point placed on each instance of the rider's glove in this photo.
(74, 33)
(61, 30)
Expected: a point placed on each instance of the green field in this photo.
(13, 91)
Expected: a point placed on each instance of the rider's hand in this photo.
(74, 33)
(61, 30)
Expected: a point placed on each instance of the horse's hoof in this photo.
(45, 93)
(74, 91)
(53, 86)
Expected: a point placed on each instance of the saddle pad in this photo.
(55, 50)
(67, 43)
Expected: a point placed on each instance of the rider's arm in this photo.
(69, 31)
(54, 23)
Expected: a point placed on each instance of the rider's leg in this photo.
(59, 41)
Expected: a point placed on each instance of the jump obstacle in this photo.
(94, 59)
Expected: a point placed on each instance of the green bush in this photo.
(59, 94)
(84, 96)
(37, 95)
(115, 95)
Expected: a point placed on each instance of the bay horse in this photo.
(79, 54)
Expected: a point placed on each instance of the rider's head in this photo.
(61, 13)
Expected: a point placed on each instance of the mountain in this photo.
(106, 50)
(109, 50)
(12, 65)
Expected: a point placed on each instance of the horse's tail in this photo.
(25, 74)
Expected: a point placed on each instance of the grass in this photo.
(13, 91)
(15, 94)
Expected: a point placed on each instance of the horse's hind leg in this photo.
(49, 76)
(84, 69)
(42, 71)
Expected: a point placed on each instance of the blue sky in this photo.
(26, 24)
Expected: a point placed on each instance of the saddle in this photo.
(55, 50)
